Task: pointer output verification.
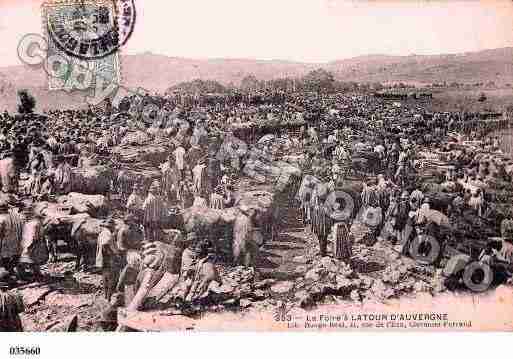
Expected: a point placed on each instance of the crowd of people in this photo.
(385, 146)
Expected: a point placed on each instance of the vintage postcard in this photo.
(285, 166)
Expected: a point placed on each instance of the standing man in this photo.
(34, 252)
(321, 222)
(214, 173)
(200, 179)
(245, 250)
(194, 154)
(11, 227)
(179, 153)
(153, 213)
(170, 180)
(403, 225)
(129, 242)
(107, 258)
(12, 306)
(63, 176)
(135, 201)
(392, 159)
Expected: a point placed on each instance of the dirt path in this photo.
(284, 258)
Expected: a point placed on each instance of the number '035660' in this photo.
(18, 350)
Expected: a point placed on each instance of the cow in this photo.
(79, 231)
(92, 180)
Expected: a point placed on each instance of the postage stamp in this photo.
(87, 37)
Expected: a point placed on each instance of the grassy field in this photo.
(497, 100)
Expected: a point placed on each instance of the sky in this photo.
(294, 30)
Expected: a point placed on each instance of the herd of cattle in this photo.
(78, 217)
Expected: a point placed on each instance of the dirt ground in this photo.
(65, 294)
(51, 305)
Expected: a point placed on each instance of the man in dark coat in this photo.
(11, 306)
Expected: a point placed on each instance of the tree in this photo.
(27, 102)
(482, 97)
(319, 80)
(250, 83)
(199, 86)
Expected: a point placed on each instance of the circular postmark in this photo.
(425, 249)
(340, 206)
(478, 276)
(91, 30)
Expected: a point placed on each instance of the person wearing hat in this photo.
(245, 250)
(402, 224)
(135, 201)
(62, 176)
(33, 246)
(129, 235)
(214, 173)
(194, 154)
(11, 306)
(393, 158)
(171, 177)
(402, 166)
(179, 154)
(11, 224)
(129, 240)
(187, 190)
(154, 212)
(198, 269)
(476, 201)
(107, 257)
(200, 177)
